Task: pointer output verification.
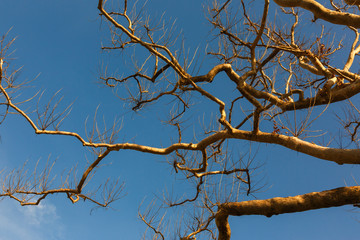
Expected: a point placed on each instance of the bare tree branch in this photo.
(274, 206)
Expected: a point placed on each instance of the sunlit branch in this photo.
(274, 206)
(322, 12)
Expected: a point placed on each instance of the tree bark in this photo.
(280, 205)
(319, 11)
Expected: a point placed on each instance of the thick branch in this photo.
(274, 206)
(322, 12)
(335, 95)
(340, 156)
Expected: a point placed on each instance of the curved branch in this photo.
(90, 169)
(335, 95)
(319, 11)
(340, 156)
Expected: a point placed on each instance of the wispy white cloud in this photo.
(30, 222)
(37, 215)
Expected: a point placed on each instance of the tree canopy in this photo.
(280, 76)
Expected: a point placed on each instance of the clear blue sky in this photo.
(61, 40)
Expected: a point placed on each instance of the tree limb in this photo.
(319, 11)
(280, 205)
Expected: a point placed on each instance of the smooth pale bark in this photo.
(338, 155)
(280, 205)
(331, 96)
(319, 11)
(334, 95)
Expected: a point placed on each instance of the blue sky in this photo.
(61, 40)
